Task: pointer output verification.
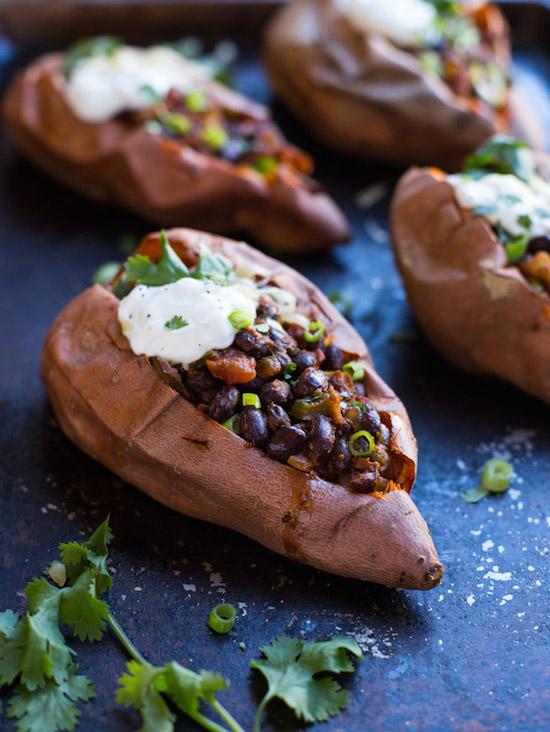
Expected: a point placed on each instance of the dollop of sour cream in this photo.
(409, 23)
(102, 86)
(145, 312)
(507, 201)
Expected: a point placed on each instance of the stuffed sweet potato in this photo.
(226, 386)
(149, 130)
(405, 81)
(474, 254)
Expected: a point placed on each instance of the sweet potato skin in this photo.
(114, 406)
(481, 314)
(157, 178)
(360, 94)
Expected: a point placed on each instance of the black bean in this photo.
(334, 359)
(253, 425)
(370, 420)
(225, 403)
(539, 244)
(267, 309)
(304, 360)
(253, 385)
(276, 391)
(310, 381)
(253, 343)
(268, 367)
(202, 383)
(283, 341)
(340, 383)
(322, 435)
(340, 457)
(276, 417)
(365, 482)
(286, 441)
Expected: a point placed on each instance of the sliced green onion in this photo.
(355, 370)
(251, 400)
(314, 331)
(178, 123)
(215, 136)
(105, 273)
(496, 475)
(232, 424)
(516, 248)
(289, 369)
(196, 101)
(262, 327)
(175, 323)
(357, 452)
(222, 618)
(265, 164)
(240, 320)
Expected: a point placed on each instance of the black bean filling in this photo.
(307, 409)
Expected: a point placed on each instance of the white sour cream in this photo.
(102, 86)
(505, 200)
(408, 23)
(206, 307)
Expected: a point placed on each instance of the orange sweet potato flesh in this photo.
(117, 408)
(479, 312)
(160, 179)
(362, 95)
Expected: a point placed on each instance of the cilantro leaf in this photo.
(139, 268)
(82, 611)
(212, 266)
(175, 323)
(141, 688)
(290, 668)
(186, 688)
(51, 707)
(98, 46)
(503, 155)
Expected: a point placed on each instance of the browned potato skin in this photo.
(480, 313)
(114, 406)
(360, 94)
(153, 177)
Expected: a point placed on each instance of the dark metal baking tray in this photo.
(470, 655)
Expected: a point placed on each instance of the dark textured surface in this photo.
(470, 655)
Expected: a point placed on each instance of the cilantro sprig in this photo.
(87, 47)
(292, 670)
(139, 268)
(502, 155)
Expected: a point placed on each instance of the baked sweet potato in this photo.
(211, 159)
(480, 292)
(166, 429)
(362, 93)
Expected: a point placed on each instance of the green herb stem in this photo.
(228, 718)
(209, 723)
(260, 713)
(129, 647)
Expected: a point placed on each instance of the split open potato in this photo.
(278, 427)
(149, 130)
(406, 81)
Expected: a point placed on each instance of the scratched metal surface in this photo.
(470, 655)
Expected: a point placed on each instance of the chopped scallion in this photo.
(240, 320)
(355, 370)
(222, 618)
(355, 450)
(495, 475)
(215, 136)
(251, 400)
(314, 331)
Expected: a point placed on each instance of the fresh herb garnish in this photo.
(265, 164)
(502, 155)
(525, 221)
(516, 247)
(150, 92)
(105, 273)
(212, 266)
(314, 331)
(240, 319)
(495, 478)
(175, 122)
(175, 323)
(355, 369)
(140, 269)
(87, 47)
(196, 101)
(214, 136)
(251, 400)
(357, 446)
(222, 618)
(292, 667)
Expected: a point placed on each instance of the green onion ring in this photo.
(314, 331)
(496, 475)
(232, 424)
(240, 320)
(222, 618)
(251, 400)
(355, 370)
(356, 436)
